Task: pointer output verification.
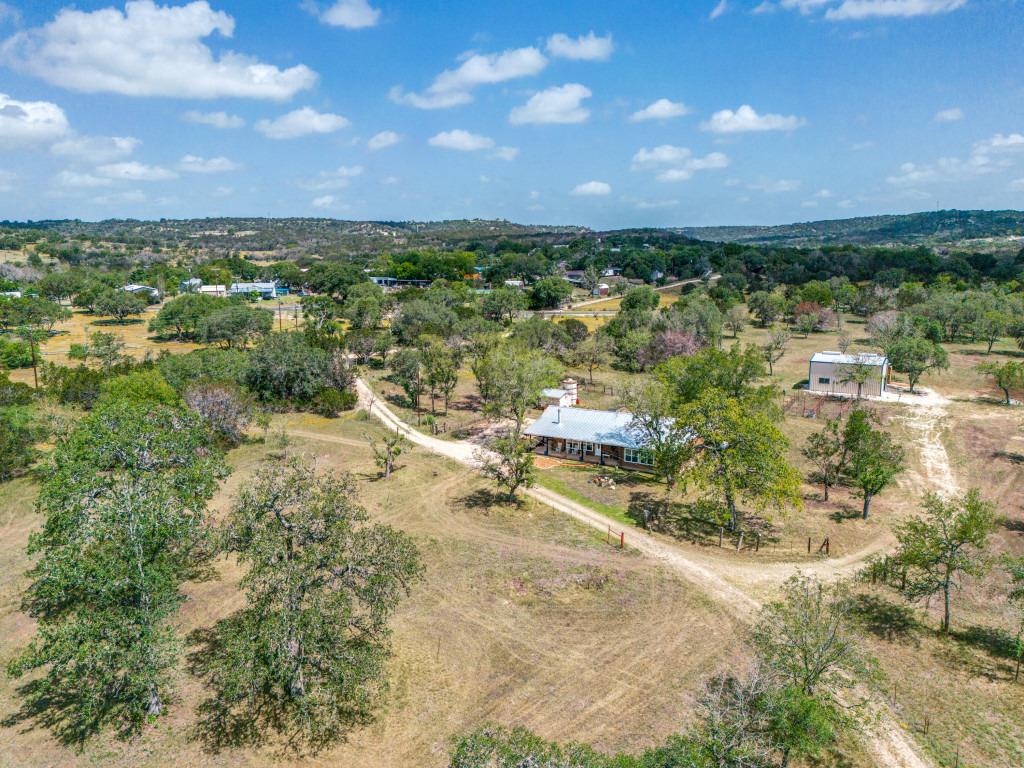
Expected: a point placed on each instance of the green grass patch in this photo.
(552, 483)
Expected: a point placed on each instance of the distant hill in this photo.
(929, 228)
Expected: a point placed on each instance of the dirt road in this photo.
(890, 745)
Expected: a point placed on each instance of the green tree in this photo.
(872, 459)
(766, 306)
(508, 461)
(741, 457)
(502, 304)
(441, 372)
(182, 314)
(945, 544)
(736, 319)
(858, 372)
(774, 348)
(591, 354)
(387, 451)
(234, 325)
(991, 326)
(915, 355)
(1014, 567)
(824, 450)
(643, 298)
(1006, 376)
(118, 304)
(124, 505)
(654, 427)
(285, 367)
(19, 434)
(306, 657)
(512, 379)
(407, 370)
(550, 293)
(735, 371)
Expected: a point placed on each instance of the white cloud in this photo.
(324, 201)
(804, 6)
(746, 119)
(718, 10)
(460, 140)
(195, 164)
(454, 86)
(662, 109)
(775, 186)
(73, 180)
(507, 153)
(351, 14)
(986, 156)
(382, 140)
(301, 122)
(676, 163)
(592, 189)
(558, 104)
(135, 171)
(95, 149)
(949, 115)
(823, 194)
(148, 50)
(588, 47)
(336, 179)
(999, 143)
(220, 120)
(29, 122)
(866, 9)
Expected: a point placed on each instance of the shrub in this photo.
(146, 386)
(15, 354)
(73, 386)
(285, 367)
(18, 436)
(330, 402)
(13, 392)
(224, 407)
(210, 365)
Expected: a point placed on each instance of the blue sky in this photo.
(660, 113)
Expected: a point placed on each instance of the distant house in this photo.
(192, 285)
(146, 289)
(595, 437)
(213, 290)
(266, 290)
(515, 284)
(602, 289)
(830, 372)
(11, 294)
(394, 282)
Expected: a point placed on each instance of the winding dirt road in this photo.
(891, 746)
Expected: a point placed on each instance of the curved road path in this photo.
(891, 746)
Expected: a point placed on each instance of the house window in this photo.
(572, 446)
(639, 456)
(824, 380)
(588, 448)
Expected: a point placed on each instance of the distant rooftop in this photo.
(861, 358)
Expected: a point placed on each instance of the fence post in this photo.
(757, 543)
(808, 545)
(721, 532)
(739, 542)
(622, 539)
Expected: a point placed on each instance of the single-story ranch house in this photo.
(829, 372)
(596, 437)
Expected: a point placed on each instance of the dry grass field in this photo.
(523, 617)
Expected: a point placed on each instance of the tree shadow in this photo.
(886, 619)
(483, 499)
(702, 523)
(996, 642)
(114, 321)
(844, 513)
(1012, 457)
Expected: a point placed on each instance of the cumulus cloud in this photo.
(351, 14)
(746, 120)
(324, 201)
(95, 149)
(23, 123)
(336, 179)
(866, 9)
(949, 115)
(662, 109)
(382, 140)
(196, 164)
(676, 163)
(592, 189)
(148, 50)
(74, 180)
(558, 104)
(455, 86)
(220, 120)
(460, 140)
(588, 47)
(135, 171)
(301, 122)
(986, 156)
(507, 153)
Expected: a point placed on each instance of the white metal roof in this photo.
(554, 392)
(861, 358)
(585, 425)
